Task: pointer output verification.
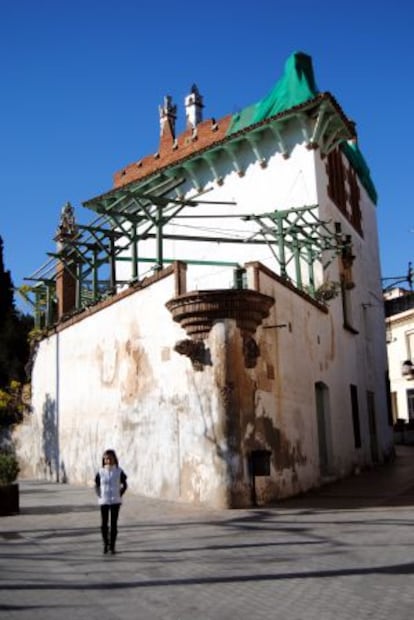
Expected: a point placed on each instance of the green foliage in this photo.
(11, 404)
(14, 330)
(6, 289)
(35, 335)
(9, 467)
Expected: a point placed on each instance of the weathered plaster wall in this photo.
(306, 351)
(113, 380)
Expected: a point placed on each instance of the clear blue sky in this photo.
(81, 81)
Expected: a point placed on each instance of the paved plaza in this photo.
(345, 552)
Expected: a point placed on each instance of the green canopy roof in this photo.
(296, 86)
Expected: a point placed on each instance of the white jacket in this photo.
(110, 484)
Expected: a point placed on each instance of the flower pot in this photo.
(9, 499)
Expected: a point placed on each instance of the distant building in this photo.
(220, 323)
(399, 311)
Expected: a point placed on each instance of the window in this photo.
(409, 338)
(346, 305)
(410, 404)
(239, 278)
(323, 419)
(354, 196)
(343, 188)
(347, 284)
(392, 403)
(372, 424)
(394, 406)
(336, 182)
(355, 416)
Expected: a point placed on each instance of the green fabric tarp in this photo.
(357, 161)
(296, 86)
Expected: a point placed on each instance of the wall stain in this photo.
(137, 375)
(247, 425)
(330, 356)
(264, 435)
(107, 358)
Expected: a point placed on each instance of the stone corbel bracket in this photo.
(197, 311)
(195, 350)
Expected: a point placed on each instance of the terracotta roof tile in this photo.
(186, 144)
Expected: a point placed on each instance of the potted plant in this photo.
(9, 489)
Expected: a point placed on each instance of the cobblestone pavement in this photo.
(345, 552)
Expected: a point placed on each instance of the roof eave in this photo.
(325, 101)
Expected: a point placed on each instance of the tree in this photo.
(6, 289)
(14, 330)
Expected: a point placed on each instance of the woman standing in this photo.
(110, 484)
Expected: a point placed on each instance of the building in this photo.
(399, 311)
(220, 323)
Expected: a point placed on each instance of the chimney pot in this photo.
(193, 108)
(168, 116)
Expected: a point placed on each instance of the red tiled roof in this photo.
(186, 144)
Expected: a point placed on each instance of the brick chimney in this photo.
(168, 115)
(193, 108)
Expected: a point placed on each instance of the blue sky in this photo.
(81, 82)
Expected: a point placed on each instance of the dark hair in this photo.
(109, 453)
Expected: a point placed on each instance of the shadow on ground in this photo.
(391, 484)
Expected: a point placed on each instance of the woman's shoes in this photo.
(105, 549)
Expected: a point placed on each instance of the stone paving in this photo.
(345, 552)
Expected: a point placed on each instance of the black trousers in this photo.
(109, 513)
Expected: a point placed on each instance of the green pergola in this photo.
(128, 215)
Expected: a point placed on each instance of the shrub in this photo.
(9, 467)
(11, 406)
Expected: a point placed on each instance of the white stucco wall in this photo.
(112, 380)
(400, 326)
(314, 347)
(282, 184)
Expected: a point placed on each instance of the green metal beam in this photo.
(106, 232)
(184, 260)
